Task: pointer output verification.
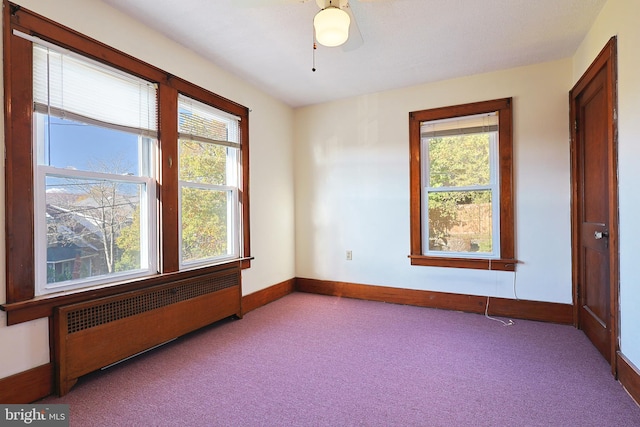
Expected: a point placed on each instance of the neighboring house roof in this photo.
(72, 240)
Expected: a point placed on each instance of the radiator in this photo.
(91, 335)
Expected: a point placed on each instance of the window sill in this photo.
(43, 305)
(474, 263)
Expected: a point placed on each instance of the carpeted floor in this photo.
(311, 360)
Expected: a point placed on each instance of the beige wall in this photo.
(621, 18)
(352, 186)
(271, 181)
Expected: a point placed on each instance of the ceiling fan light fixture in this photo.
(332, 26)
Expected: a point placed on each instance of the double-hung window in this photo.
(461, 186)
(94, 139)
(209, 152)
(119, 176)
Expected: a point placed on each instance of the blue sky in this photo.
(76, 145)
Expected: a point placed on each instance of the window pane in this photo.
(205, 223)
(69, 144)
(207, 163)
(459, 160)
(460, 221)
(93, 227)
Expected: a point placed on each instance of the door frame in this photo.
(607, 58)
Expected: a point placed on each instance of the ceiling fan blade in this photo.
(264, 3)
(355, 39)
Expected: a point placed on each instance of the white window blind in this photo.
(203, 123)
(68, 86)
(465, 125)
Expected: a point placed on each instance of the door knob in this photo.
(600, 234)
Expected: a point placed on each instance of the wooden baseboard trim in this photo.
(629, 376)
(521, 309)
(265, 296)
(28, 386)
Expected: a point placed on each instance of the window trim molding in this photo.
(507, 260)
(19, 200)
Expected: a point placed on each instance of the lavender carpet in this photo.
(311, 360)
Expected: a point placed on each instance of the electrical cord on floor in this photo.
(486, 314)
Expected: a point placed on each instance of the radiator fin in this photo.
(89, 317)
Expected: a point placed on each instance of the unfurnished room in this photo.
(320, 213)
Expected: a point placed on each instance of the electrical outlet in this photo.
(349, 255)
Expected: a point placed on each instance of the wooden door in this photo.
(595, 203)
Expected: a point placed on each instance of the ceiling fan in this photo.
(334, 24)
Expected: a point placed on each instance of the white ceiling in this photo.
(269, 43)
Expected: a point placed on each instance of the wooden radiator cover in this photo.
(94, 334)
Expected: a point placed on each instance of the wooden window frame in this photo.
(506, 261)
(21, 302)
